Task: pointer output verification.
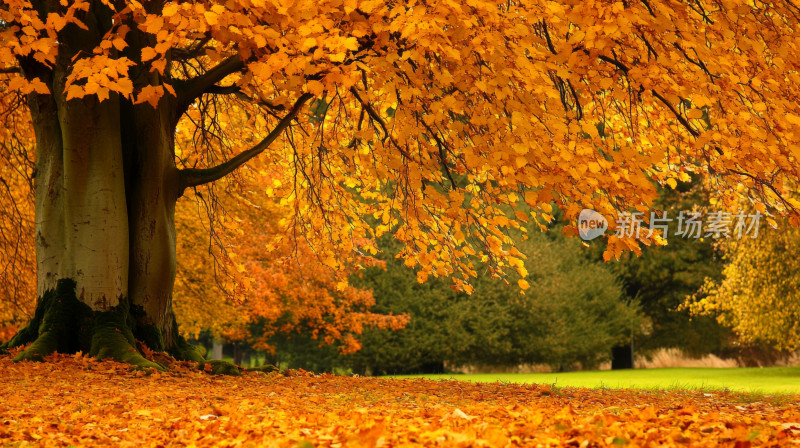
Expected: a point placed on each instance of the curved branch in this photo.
(192, 89)
(192, 177)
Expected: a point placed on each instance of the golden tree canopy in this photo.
(446, 122)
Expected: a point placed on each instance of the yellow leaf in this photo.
(39, 87)
(520, 148)
(102, 93)
(119, 43)
(308, 44)
(150, 94)
(211, 17)
(351, 43)
(170, 10)
(695, 113)
(494, 243)
(74, 91)
(315, 87)
(148, 53)
(17, 83)
(531, 198)
(90, 88)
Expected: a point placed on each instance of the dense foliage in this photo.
(581, 103)
(239, 275)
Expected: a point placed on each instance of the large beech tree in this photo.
(444, 122)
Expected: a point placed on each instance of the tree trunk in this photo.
(622, 357)
(216, 351)
(153, 187)
(238, 353)
(106, 189)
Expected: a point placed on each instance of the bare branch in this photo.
(677, 114)
(371, 112)
(192, 177)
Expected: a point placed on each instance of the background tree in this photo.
(406, 98)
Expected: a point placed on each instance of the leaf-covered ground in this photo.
(75, 400)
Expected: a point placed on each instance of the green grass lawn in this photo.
(767, 380)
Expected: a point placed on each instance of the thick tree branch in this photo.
(191, 177)
(193, 88)
(223, 90)
(9, 70)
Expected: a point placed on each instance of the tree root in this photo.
(64, 324)
(217, 367)
(266, 368)
(112, 337)
(60, 317)
(184, 351)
